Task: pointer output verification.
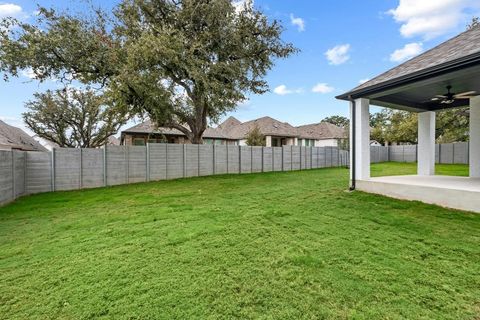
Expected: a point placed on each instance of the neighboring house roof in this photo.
(148, 127)
(113, 141)
(227, 125)
(321, 131)
(461, 49)
(49, 145)
(268, 127)
(16, 138)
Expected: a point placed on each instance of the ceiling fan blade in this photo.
(467, 93)
(463, 97)
(440, 96)
(435, 99)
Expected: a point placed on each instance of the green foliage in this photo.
(73, 118)
(388, 125)
(183, 63)
(339, 121)
(283, 245)
(255, 137)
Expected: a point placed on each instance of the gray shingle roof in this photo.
(16, 138)
(321, 130)
(268, 126)
(462, 46)
(148, 127)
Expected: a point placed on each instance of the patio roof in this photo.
(411, 85)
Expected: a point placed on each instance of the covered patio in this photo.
(446, 76)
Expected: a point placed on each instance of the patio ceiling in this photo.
(412, 85)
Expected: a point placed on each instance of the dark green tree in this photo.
(340, 121)
(183, 63)
(255, 137)
(73, 118)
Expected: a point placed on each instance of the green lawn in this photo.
(271, 246)
(398, 168)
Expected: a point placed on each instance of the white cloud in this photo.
(322, 88)
(431, 18)
(9, 10)
(239, 5)
(28, 73)
(362, 81)
(298, 22)
(282, 90)
(338, 54)
(410, 50)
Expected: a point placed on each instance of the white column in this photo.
(362, 139)
(268, 141)
(426, 143)
(475, 137)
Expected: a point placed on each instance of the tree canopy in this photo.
(340, 121)
(401, 126)
(182, 63)
(255, 137)
(73, 118)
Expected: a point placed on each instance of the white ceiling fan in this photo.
(450, 97)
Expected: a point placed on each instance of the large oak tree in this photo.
(181, 62)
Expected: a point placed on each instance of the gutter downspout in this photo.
(353, 143)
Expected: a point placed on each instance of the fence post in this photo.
(105, 166)
(228, 164)
(263, 152)
(453, 153)
(127, 164)
(147, 162)
(13, 174)
(53, 169)
(283, 158)
(214, 160)
(80, 180)
(291, 157)
(439, 153)
(239, 159)
(184, 160)
(251, 159)
(301, 148)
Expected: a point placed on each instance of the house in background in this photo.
(322, 134)
(144, 132)
(276, 133)
(234, 132)
(13, 138)
(47, 144)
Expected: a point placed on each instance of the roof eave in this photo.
(447, 67)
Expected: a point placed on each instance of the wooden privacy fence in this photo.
(23, 173)
(447, 153)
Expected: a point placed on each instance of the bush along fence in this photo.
(446, 153)
(23, 173)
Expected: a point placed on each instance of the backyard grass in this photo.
(291, 245)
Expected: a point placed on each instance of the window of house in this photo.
(219, 142)
(152, 140)
(208, 141)
(138, 142)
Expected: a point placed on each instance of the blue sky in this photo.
(342, 42)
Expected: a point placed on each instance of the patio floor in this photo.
(461, 193)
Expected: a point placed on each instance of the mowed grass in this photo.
(291, 245)
(398, 168)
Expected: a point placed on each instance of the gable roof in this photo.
(226, 126)
(147, 127)
(321, 130)
(15, 138)
(267, 125)
(458, 51)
